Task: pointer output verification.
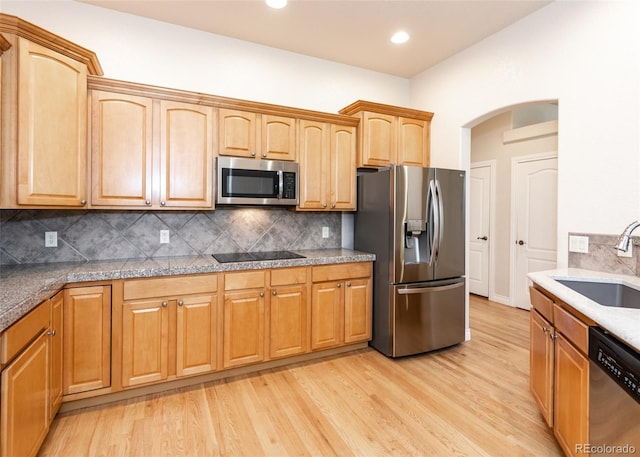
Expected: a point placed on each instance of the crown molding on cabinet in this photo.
(362, 105)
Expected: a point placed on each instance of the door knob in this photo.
(521, 242)
(484, 238)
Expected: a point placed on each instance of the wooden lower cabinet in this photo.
(559, 369)
(56, 334)
(357, 310)
(327, 315)
(167, 337)
(243, 332)
(87, 339)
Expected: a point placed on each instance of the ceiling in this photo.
(352, 32)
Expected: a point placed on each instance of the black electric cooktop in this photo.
(256, 256)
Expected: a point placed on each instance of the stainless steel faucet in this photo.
(623, 242)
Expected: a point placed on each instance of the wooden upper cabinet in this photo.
(278, 135)
(248, 134)
(121, 149)
(327, 156)
(186, 155)
(391, 134)
(44, 128)
(148, 152)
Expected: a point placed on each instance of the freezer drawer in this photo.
(427, 316)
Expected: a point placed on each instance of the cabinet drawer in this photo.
(341, 271)
(169, 286)
(244, 280)
(542, 303)
(23, 332)
(572, 328)
(286, 276)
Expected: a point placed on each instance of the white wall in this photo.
(585, 55)
(135, 49)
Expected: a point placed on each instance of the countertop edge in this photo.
(621, 322)
(24, 290)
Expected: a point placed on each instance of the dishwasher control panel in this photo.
(618, 360)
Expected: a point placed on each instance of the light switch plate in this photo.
(579, 244)
(50, 239)
(325, 232)
(164, 236)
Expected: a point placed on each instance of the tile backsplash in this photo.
(602, 256)
(110, 235)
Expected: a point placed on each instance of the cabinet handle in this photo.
(83, 202)
(147, 202)
(180, 303)
(164, 304)
(52, 333)
(262, 294)
(163, 203)
(338, 285)
(274, 293)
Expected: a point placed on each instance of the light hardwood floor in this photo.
(469, 400)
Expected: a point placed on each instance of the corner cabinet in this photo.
(147, 152)
(391, 135)
(327, 166)
(559, 368)
(44, 118)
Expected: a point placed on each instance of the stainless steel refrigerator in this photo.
(413, 220)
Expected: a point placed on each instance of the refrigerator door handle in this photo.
(440, 217)
(422, 290)
(432, 208)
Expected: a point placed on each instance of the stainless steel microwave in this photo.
(256, 182)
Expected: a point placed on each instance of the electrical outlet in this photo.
(325, 232)
(50, 239)
(629, 252)
(579, 244)
(164, 236)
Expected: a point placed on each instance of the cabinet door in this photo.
(236, 133)
(145, 341)
(343, 167)
(195, 335)
(289, 332)
(357, 310)
(243, 334)
(87, 339)
(186, 155)
(52, 128)
(314, 165)
(571, 408)
(378, 139)
(541, 363)
(24, 401)
(56, 337)
(327, 313)
(413, 142)
(278, 138)
(121, 149)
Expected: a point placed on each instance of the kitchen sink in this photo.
(605, 293)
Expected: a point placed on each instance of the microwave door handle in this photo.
(280, 184)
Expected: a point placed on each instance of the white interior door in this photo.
(479, 229)
(535, 189)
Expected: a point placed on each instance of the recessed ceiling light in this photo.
(400, 37)
(277, 4)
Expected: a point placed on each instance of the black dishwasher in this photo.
(614, 396)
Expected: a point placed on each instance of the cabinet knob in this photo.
(253, 154)
(180, 302)
(324, 205)
(348, 284)
(164, 304)
(333, 205)
(274, 292)
(553, 336)
(52, 333)
(264, 154)
(545, 329)
(163, 203)
(83, 202)
(338, 285)
(262, 294)
(147, 202)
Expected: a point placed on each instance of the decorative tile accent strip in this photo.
(111, 235)
(602, 256)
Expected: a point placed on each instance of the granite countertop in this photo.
(624, 323)
(23, 287)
